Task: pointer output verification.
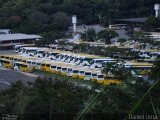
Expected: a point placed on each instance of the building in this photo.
(8, 40)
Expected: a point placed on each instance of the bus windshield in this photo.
(100, 76)
(88, 73)
(53, 67)
(75, 71)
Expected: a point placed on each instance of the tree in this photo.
(122, 40)
(155, 71)
(89, 35)
(117, 70)
(107, 35)
(60, 21)
(152, 23)
(49, 37)
(141, 36)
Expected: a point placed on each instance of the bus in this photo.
(139, 68)
(45, 66)
(87, 75)
(98, 63)
(73, 71)
(20, 66)
(28, 51)
(17, 47)
(117, 26)
(109, 80)
(5, 63)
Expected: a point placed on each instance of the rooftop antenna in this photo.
(157, 9)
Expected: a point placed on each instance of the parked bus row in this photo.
(84, 60)
(78, 59)
(21, 63)
(76, 65)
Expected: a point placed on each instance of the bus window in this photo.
(58, 68)
(64, 69)
(94, 75)
(81, 72)
(48, 65)
(53, 67)
(87, 73)
(43, 64)
(100, 76)
(69, 69)
(75, 71)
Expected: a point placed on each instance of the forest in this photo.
(52, 16)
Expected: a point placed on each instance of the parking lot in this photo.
(7, 52)
(7, 77)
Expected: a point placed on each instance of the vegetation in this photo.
(117, 70)
(122, 40)
(152, 23)
(155, 71)
(51, 17)
(107, 35)
(90, 35)
(113, 52)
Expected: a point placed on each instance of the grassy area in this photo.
(76, 80)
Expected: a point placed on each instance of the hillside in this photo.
(41, 16)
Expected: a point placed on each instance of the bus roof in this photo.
(21, 63)
(139, 64)
(4, 59)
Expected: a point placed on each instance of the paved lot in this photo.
(7, 77)
(7, 52)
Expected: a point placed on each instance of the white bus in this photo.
(28, 51)
(117, 26)
(98, 63)
(17, 47)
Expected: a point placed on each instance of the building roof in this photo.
(137, 20)
(18, 36)
(4, 31)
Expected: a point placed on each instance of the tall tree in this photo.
(89, 35)
(107, 35)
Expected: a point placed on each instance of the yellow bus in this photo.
(72, 71)
(81, 74)
(64, 69)
(139, 68)
(108, 80)
(20, 66)
(5, 63)
(53, 68)
(112, 80)
(45, 66)
(38, 65)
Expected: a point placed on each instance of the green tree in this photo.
(107, 35)
(117, 70)
(122, 40)
(89, 35)
(141, 36)
(155, 70)
(152, 23)
(49, 37)
(60, 21)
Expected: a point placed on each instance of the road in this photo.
(7, 77)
